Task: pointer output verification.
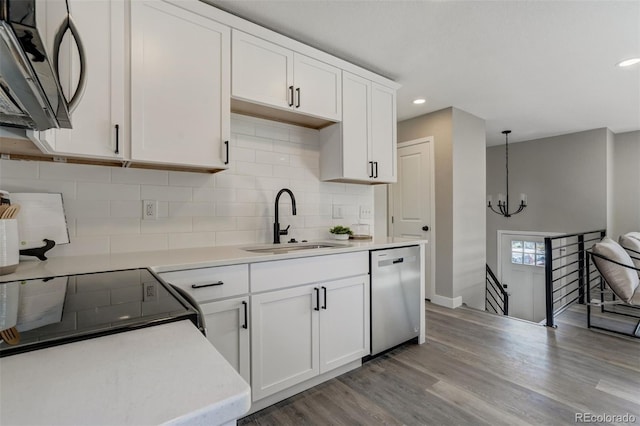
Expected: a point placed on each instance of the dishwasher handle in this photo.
(399, 260)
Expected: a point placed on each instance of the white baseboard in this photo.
(447, 302)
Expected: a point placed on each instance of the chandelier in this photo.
(503, 202)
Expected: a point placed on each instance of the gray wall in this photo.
(564, 177)
(469, 212)
(439, 125)
(459, 223)
(626, 187)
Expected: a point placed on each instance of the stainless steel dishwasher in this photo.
(395, 297)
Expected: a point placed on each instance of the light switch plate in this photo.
(366, 212)
(338, 211)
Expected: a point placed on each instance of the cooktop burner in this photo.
(52, 311)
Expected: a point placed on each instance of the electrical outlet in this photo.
(366, 212)
(150, 292)
(149, 210)
(338, 211)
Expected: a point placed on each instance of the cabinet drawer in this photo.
(286, 273)
(211, 283)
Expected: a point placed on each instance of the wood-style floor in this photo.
(477, 369)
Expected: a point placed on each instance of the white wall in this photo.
(103, 204)
(564, 177)
(626, 187)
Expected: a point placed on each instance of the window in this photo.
(527, 253)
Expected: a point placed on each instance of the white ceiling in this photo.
(539, 68)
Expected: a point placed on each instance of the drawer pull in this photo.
(246, 324)
(206, 285)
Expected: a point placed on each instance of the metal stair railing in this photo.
(496, 298)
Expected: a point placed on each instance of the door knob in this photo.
(425, 228)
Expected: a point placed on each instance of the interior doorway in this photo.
(411, 200)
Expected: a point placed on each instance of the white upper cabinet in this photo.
(99, 126)
(383, 133)
(361, 148)
(262, 71)
(318, 88)
(180, 69)
(270, 75)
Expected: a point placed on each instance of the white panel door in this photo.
(318, 88)
(383, 133)
(227, 325)
(411, 198)
(356, 93)
(344, 322)
(284, 339)
(101, 26)
(180, 70)
(262, 71)
(522, 274)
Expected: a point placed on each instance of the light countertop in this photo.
(172, 260)
(125, 379)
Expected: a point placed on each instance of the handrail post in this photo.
(581, 264)
(548, 280)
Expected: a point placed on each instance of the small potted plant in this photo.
(341, 232)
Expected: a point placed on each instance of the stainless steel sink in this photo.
(289, 247)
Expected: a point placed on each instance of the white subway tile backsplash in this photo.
(254, 196)
(86, 208)
(167, 225)
(18, 169)
(133, 243)
(236, 209)
(82, 246)
(235, 181)
(126, 208)
(77, 172)
(270, 157)
(90, 226)
(191, 179)
(166, 193)
(252, 142)
(67, 189)
(217, 223)
(242, 154)
(182, 209)
(104, 204)
(224, 238)
(139, 176)
(107, 191)
(192, 239)
(270, 131)
(253, 169)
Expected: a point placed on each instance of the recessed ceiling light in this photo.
(627, 62)
(419, 101)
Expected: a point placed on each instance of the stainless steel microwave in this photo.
(30, 93)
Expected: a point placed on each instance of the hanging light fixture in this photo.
(503, 202)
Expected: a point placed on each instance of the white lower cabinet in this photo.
(301, 332)
(227, 324)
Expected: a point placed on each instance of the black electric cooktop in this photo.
(57, 310)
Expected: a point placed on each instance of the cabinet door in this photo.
(284, 339)
(262, 71)
(344, 322)
(101, 26)
(383, 132)
(180, 69)
(356, 95)
(318, 88)
(228, 330)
